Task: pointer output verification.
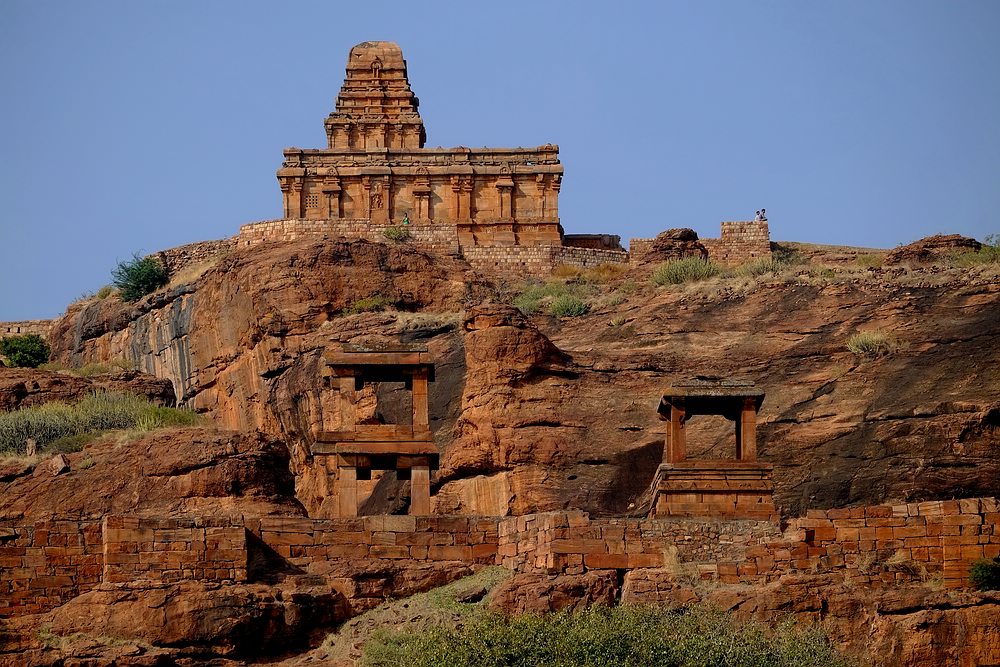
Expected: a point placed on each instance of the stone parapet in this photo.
(739, 242)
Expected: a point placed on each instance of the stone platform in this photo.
(724, 489)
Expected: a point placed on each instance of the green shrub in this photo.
(528, 304)
(686, 270)
(623, 636)
(871, 343)
(63, 425)
(25, 351)
(534, 293)
(138, 277)
(984, 574)
(396, 234)
(567, 305)
(368, 304)
(105, 292)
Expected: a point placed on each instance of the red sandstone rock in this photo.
(25, 387)
(539, 593)
(930, 249)
(674, 244)
(193, 470)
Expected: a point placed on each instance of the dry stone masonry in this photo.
(48, 562)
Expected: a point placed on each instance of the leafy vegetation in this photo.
(67, 426)
(138, 277)
(25, 351)
(686, 270)
(396, 234)
(622, 636)
(368, 304)
(872, 343)
(760, 267)
(984, 574)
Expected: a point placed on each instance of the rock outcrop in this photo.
(165, 473)
(26, 387)
(931, 248)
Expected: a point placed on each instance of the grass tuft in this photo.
(368, 304)
(64, 427)
(686, 270)
(872, 343)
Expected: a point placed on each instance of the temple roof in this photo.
(376, 90)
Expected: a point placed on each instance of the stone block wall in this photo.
(442, 238)
(46, 563)
(173, 549)
(571, 542)
(874, 546)
(177, 259)
(598, 241)
(739, 242)
(40, 327)
(420, 538)
(537, 260)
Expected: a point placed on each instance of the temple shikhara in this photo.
(375, 167)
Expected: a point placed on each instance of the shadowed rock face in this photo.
(165, 473)
(543, 414)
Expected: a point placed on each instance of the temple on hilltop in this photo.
(375, 167)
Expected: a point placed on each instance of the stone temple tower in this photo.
(376, 170)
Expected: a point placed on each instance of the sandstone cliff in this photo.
(540, 413)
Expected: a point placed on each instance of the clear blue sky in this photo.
(137, 126)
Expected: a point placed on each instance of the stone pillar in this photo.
(676, 443)
(420, 489)
(746, 433)
(348, 411)
(420, 408)
(347, 491)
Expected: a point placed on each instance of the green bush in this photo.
(62, 425)
(984, 574)
(105, 292)
(686, 270)
(623, 636)
(396, 234)
(567, 305)
(138, 277)
(25, 351)
(368, 304)
(872, 343)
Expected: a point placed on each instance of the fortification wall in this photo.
(173, 549)
(443, 238)
(537, 260)
(875, 546)
(40, 327)
(739, 242)
(46, 563)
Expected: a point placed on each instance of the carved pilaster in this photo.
(505, 188)
(462, 187)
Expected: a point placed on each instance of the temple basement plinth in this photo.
(731, 489)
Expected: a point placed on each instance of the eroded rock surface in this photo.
(27, 387)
